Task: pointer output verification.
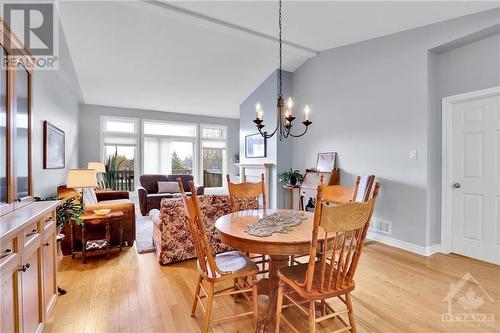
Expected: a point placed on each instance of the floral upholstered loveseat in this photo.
(171, 235)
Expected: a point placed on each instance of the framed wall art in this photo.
(255, 146)
(54, 154)
(326, 162)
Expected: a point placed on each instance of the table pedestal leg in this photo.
(269, 287)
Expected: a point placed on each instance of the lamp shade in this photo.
(80, 178)
(97, 166)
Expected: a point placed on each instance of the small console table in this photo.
(97, 244)
(291, 189)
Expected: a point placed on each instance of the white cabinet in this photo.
(28, 275)
(9, 287)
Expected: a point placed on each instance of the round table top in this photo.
(297, 241)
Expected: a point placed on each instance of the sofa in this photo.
(114, 200)
(149, 198)
(171, 235)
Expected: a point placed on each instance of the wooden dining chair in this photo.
(245, 196)
(337, 194)
(217, 268)
(331, 275)
(365, 186)
(242, 194)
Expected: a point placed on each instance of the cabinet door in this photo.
(5, 179)
(32, 305)
(9, 291)
(22, 137)
(49, 272)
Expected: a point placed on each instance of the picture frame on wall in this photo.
(54, 147)
(255, 146)
(326, 161)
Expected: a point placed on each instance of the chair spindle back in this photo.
(246, 190)
(340, 194)
(349, 222)
(206, 261)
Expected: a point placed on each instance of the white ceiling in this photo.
(167, 58)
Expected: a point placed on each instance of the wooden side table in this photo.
(99, 244)
(291, 188)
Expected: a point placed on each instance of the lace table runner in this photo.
(279, 222)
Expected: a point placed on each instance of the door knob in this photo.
(457, 185)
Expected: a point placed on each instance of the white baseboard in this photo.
(422, 250)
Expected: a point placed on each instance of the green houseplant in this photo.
(291, 177)
(69, 209)
(110, 179)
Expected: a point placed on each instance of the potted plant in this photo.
(291, 177)
(69, 209)
(110, 179)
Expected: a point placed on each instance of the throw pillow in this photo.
(89, 197)
(168, 187)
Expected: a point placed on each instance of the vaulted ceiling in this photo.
(206, 57)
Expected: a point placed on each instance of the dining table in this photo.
(278, 246)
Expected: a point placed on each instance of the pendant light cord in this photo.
(280, 93)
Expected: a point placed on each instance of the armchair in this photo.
(114, 200)
(149, 198)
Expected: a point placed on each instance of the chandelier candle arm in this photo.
(284, 117)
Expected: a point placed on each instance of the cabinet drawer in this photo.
(7, 250)
(48, 224)
(31, 234)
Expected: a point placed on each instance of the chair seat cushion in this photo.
(293, 274)
(116, 201)
(234, 262)
(164, 195)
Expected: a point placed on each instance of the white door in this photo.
(475, 176)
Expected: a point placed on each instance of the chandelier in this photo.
(284, 114)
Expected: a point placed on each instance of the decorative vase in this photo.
(292, 180)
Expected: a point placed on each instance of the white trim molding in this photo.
(418, 249)
(446, 180)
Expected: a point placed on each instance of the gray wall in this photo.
(278, 153)
(473, 66)
(370, 103)
(56, 97)
(89, 127)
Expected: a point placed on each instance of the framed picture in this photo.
(255, 146)
(326, 162)
(54, 154)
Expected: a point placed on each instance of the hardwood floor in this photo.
(396, 291)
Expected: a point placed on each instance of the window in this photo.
(213, 152)
(170, 129)
(119, 138)
(169, 148)
(166, 148)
